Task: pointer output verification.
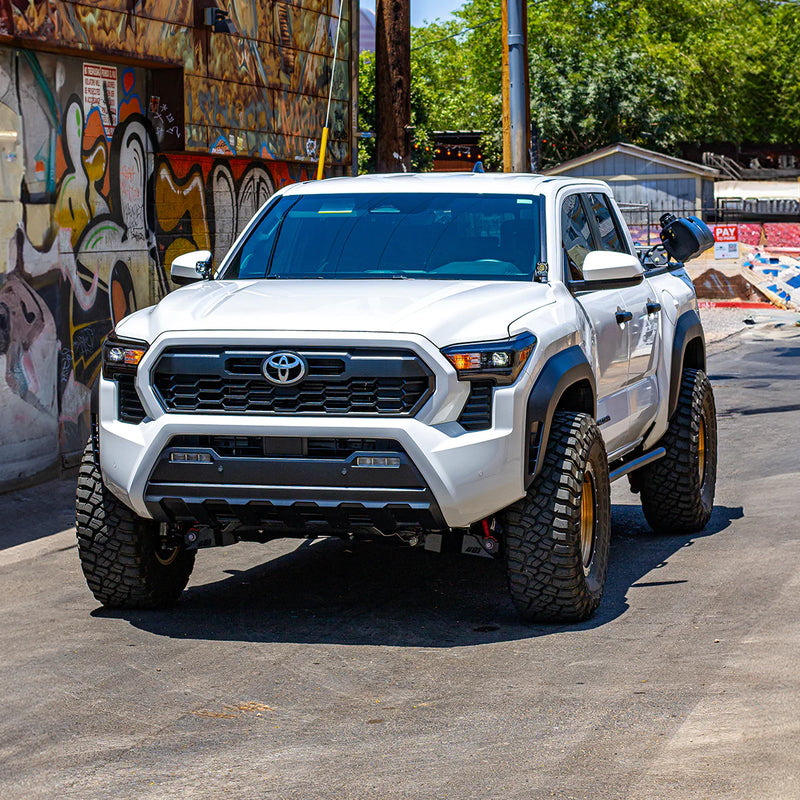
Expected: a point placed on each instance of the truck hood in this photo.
(446, 312)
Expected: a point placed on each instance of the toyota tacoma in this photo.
(469, 358)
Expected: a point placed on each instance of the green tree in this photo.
(630, 70)
(366, 112)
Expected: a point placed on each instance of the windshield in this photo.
(433, 236)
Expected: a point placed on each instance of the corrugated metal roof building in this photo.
(642, 179)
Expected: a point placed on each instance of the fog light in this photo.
(377, 461)
(190, 458)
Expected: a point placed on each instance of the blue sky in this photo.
(422, 10)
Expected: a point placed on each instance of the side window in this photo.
(576, 235)
(611, 237)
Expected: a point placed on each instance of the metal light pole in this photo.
(516, 116)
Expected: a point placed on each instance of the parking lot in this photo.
(332, 670)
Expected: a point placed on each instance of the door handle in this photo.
(623, 317)
(653, 308)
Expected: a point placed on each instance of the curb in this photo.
(734, 304)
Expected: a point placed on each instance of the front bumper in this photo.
(462, 476)
(291, 485)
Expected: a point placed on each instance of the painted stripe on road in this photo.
(55, 543)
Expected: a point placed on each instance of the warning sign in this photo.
(100, 92)
(726, 241)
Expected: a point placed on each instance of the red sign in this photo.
(726, 233)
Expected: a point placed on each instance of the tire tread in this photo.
(673, 500)
(117, 548)
(545, 571)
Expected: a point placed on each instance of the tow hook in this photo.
(191, 537)
(491, 530)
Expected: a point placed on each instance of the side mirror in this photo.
(191, 267)
(604, 269)
(685, 238)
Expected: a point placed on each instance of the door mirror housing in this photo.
(685, 238)
(604, 269)
(191, 267)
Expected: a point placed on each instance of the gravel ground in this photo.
(719, 323)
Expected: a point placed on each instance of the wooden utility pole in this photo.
(506, 119)
(392, 85)
(516, 88)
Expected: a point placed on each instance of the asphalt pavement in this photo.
(326, 670)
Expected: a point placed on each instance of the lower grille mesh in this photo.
(286, 446)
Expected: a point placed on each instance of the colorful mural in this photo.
(92, 215)
(260, 91)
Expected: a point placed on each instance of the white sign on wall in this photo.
(100, 91)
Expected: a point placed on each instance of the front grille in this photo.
(129, 406)
(283, 447)
(477, 412)
(229, 381)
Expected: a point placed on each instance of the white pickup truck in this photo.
(419, 356)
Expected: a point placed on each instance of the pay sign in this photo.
(726, 241)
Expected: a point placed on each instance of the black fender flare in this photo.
(560, 372)
(687, 328)
(94, 406)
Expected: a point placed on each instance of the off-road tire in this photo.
(547, 576)
(676, 498)
(120, 552)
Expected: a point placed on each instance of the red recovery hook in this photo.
(490, 543)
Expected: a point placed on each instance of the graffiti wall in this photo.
(92, 213)
(260, 90)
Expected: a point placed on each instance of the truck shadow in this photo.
(331, 592)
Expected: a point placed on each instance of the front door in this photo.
(609, 337)
(643, 328)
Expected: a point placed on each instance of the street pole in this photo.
(354, 63)
(392, 85)
(516, 119)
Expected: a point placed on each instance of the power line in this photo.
(456, 35)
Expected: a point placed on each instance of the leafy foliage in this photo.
(639, 71)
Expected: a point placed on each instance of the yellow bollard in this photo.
(322, 149)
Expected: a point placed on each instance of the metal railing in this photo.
(726, 165)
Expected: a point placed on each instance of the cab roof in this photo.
(447, 182)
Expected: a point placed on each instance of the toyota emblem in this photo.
(284, 368)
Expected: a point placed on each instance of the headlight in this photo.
(500, 362)
(121, 356)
